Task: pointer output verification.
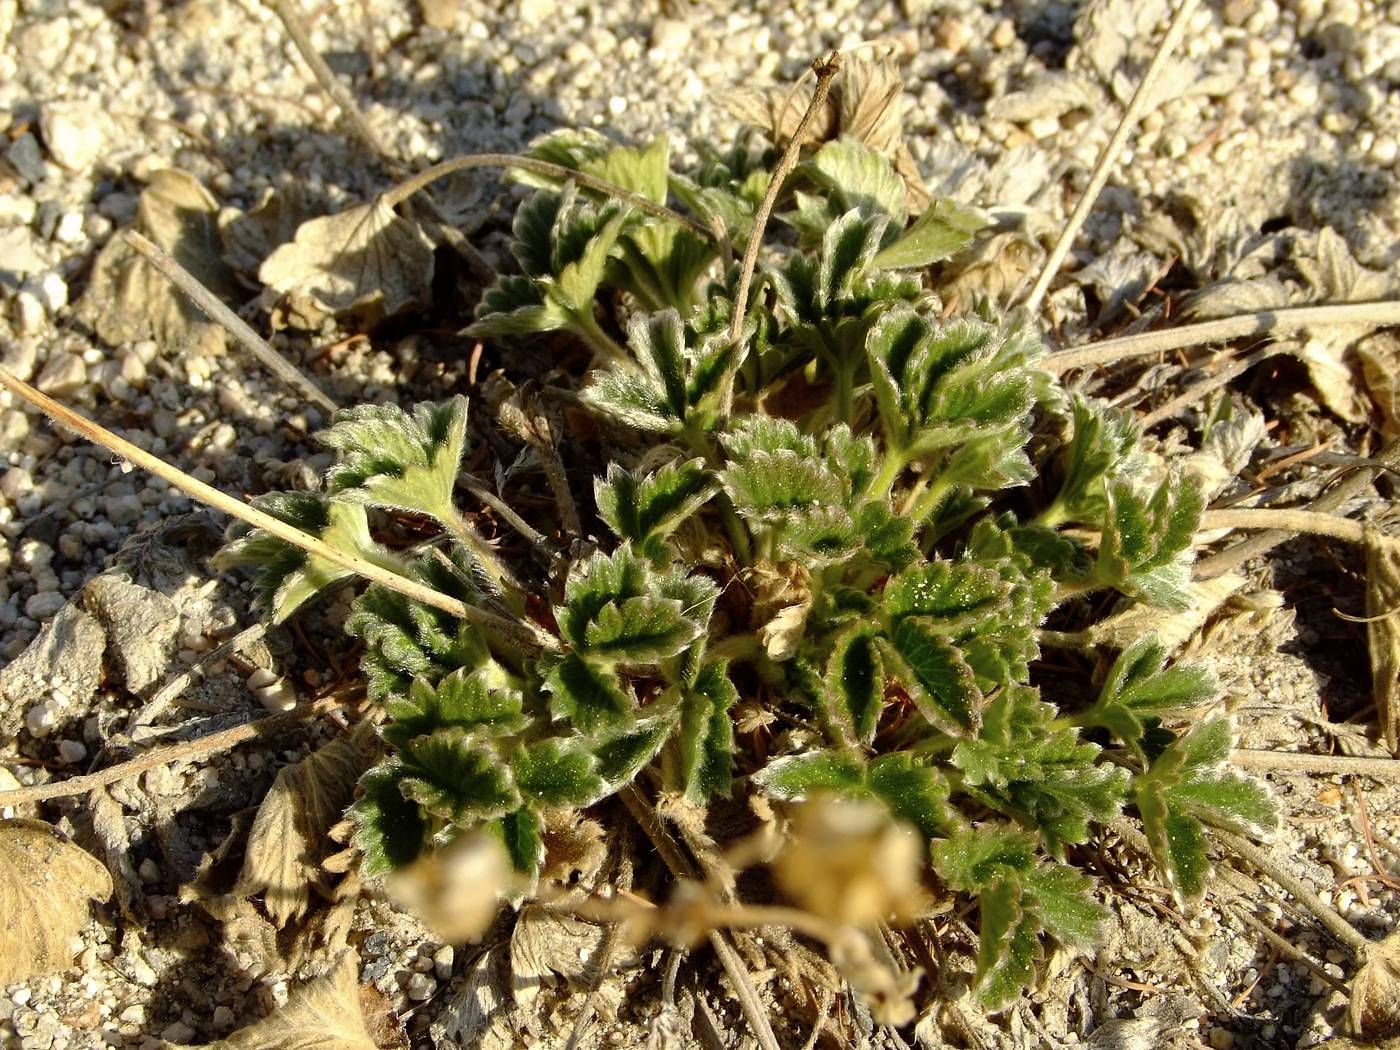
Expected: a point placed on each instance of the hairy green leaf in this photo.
(557, 772)
(464, 698)
(944, 229)
(796, 777)
(589, 696)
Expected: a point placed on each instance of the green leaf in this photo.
(520, 833)
(386, 457)
(1007, 946)
(457, 777)
(288, 577)
(943, 230)
(516, 305)
(939, 680)
(858, 177)
(677, 379)
(796, 777)
(1101, 449)
(1145, 549)
(706, 737)
(639, 630)
(1140, 687)
(855, 676)
(1191, 782)
(1063, 902)
(952, 597)
(644, 171)
(972, 859)
(622, 756)
(848, 246)
(916, 793)
(556, 772)
(589, 696)
(389, 829)
(465, 698)
(646, 508)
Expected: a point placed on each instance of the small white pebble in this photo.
(420, 986)
(71, 752)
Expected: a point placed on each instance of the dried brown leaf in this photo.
(323, 1014)
(365, 258)
(546, 943)
(290, 836)
(251, 236)
(1383, 631)
(574, 848)
(479, 1014)
(46, 883)
(129, 300)
(1374, 1011)
(1379, 354)
(1335, 277)
(1173, 629)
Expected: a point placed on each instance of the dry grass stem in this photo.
(198, 748)
(1347, 765)
(229, 321)
(1292, 951)
(1196, 392)
(525, 633)
(1109, 157)
(1266, 864)
(1313, 522)
(1283, 320)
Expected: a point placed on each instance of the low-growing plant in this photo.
(853, 518)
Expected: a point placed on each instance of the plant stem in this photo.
(522, 632)
(1110, 153)
(894, 463)
(482, 554)
(1294, 520)
(1347, 765)
(701, 444)
(1330, 500)
(1342, 930)
(218, 312)
(929, 501)
(845, 391)
(204, 745)
(1283, 320)
(826, 70)
(605, 346)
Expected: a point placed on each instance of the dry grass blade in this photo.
(1312, 522)
(1287, 761)
(1131, 116)
(230, 321)
(212, 497)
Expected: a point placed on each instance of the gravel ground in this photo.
(1277, 116)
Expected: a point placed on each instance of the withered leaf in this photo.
(479, 1014)
(1379, 354)
(289, 837)
(46, 883)
(128, 299)
(251, 236)
(1383, 631)
(365, 258)
(1173, 629)
(1374, 1010)
(545, 943)
(323, 1014)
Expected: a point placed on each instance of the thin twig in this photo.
(1232, 557)
(1266, 864)
(1291, 950)
(1194, 393)
(1294, 520)
(215, 309)
(1348, 765)
(1110, 153)
(681, 867)
(507, 514)
(205, 745)
(325, 76)
(1277, 321)
(826, 70)
(519, 631)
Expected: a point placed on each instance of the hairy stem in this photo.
(826, 70)
(1309, 521)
